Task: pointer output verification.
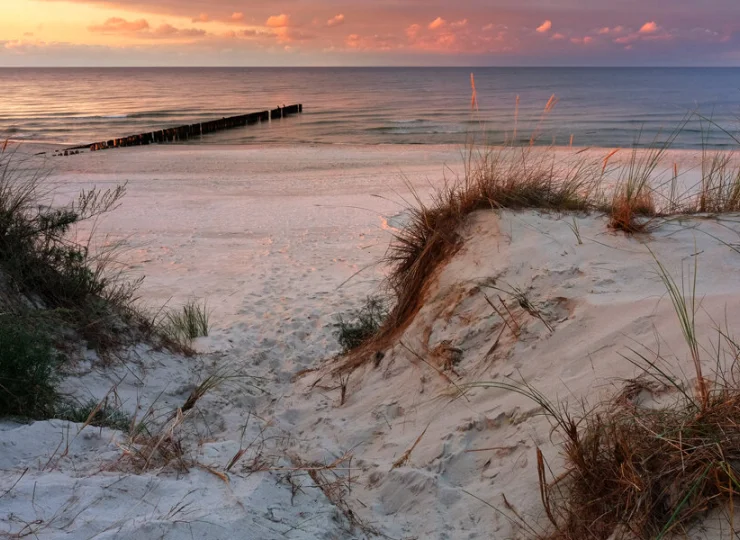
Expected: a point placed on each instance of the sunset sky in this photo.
(369, 32)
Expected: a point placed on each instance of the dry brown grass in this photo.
(647, 471)
(500, 178)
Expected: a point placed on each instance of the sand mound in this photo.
(563, 316)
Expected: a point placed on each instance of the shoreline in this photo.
(44, 146)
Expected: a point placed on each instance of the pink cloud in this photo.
(545, 27)
(460, 24)
(437, 23)
(649, 28)
(582, 41)
(606, 30)
(557, 36)
(237, 16)
(412, 31)
(117, 25)
(626, 39)
(203, 17)
(336, 20)
(376, 42)
(278, 21)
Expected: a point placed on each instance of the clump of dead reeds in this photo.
(648, 471)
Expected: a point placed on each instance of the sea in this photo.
(604, 107)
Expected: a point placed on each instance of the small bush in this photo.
(95, 414)
(28, 363)
(361, 325)
(188, 323)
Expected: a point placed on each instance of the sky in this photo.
(369, 32)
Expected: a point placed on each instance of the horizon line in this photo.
(564, 66)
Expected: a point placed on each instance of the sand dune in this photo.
(280, 240)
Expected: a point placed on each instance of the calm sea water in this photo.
(597, 106)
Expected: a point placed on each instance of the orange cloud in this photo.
(167, 30)
(336, 20)
(460, 24)
(558, 36)
(439, 22)
(203, 17)
(278, 21)
(545, 27)
(237, 16)
(117, 25)
(649, 28)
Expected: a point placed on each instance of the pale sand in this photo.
(270, 236)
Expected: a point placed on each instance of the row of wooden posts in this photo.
(183, 133)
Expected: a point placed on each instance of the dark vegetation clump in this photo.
(356, 328)
(28, 369)
(94, 413)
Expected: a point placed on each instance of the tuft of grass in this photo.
(633, 201)
(189, 322)
(720, 184)
(95, 413)
(356, 328)
(573, 225)
(28, 364)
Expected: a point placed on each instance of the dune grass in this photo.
(187, 323)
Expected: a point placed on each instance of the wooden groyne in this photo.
(183, 133)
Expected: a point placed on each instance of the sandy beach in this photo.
(280, 240)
